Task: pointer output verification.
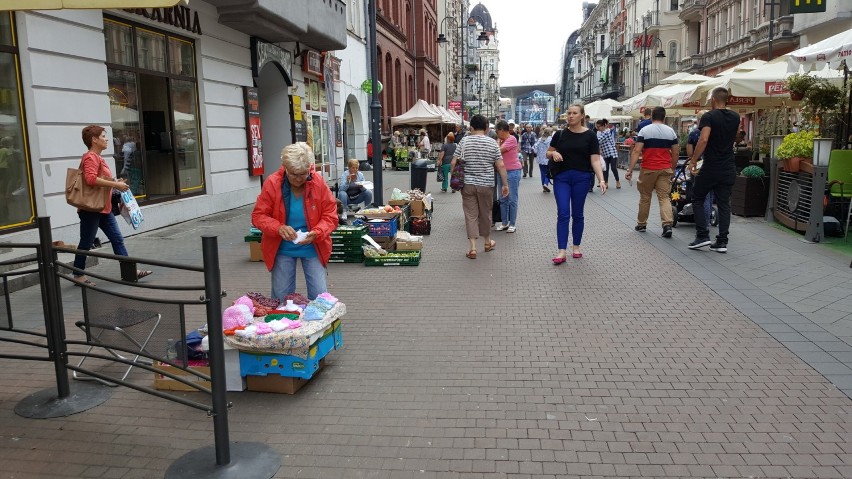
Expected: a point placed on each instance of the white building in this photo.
(172, 87)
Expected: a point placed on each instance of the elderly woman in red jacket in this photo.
(296, 212)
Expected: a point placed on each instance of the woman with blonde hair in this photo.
(296, 212)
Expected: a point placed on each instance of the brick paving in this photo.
(634, 361)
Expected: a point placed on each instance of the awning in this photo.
(85, 4)
(829, 51)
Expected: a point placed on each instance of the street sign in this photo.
(807, 6)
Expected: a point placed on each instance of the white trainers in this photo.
(510, 229)
(501, 227)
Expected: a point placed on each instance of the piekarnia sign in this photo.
(179, 16)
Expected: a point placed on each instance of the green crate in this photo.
(252, 238)
(349, 231)
(408, 258)
(348, 259)
(347, 251)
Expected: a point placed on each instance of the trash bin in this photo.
(419, 170)
(364, 165)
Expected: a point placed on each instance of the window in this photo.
(673, 56)
(17, 205)
(674, 5)
(153, 96)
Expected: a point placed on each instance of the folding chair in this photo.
(123, 322)
(840, 183)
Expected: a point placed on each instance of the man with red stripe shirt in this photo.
(659, 147)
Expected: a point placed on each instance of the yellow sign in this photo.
(297, 107)
(96, 4)
(808, 6)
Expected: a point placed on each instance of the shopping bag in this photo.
(457, 176)
(440, 174)
(82, 195)
(130, 210)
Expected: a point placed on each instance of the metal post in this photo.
(55, 327)
(771, 6)
(213, 295)
(464, 68)
(375, 112)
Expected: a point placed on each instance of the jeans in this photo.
(708, 206)
(365, 196)
(570, 188)
(529, 161)
(509, 204)
(89, 224)
(545, 181)
(720, 183)
(445, 168)
(284, 276)
(611, 164)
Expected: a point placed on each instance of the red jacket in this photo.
(269, 215)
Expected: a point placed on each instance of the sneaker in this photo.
(510, 229)
(545, 189)
(501, 227)
(719, 246)
(641, 228)
(667, 231)
(698, 243)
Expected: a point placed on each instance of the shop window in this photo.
(17, 205)
(154, 105)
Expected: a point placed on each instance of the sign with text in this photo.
(775, 88)
(255, 136)
(741, 101)
(300, 131)
(312, 63)
(807, 6)
(454, 106)
(296, 107)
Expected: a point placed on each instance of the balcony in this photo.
(651, 21)
(614, 52)
(728, 53)
(319, 24)
(693, 64)
(613, 90)
(782, 36)
(691, 10)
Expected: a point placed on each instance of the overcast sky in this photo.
(531, 35)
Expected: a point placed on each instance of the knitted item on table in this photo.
(326, 304)
(262, 328)
(327, 296)
(291, 307)
(261, 300)
(276, 316)
(315, 311)
(297, 298)
(238, 315)
(245, 300)
(279, 325)
(260, 312)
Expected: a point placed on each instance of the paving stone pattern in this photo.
(621, 364)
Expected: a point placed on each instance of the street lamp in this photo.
(646, 21)
(481, 40)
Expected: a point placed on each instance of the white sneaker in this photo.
(510, 229)
(501, 227)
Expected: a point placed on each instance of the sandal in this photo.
(490, 246)
(558, 260)
(85, 282)
(142, 273)
(576, 255)
(471, 254)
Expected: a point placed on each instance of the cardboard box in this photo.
(255, 253)
(399, 203)
(418, 208)
(168, 384)
(273, 383)
(408, 245)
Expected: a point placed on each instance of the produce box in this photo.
(407, 258)
(349, 231)
(168, 384)
(402, 245)
(255, 253)
(273, 383)
(384, 228)
(399, 203)
(377, 213)
(418, 208)
(386, 242)
(252, 364)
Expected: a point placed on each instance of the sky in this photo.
(531, 35)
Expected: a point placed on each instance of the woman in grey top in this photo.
(445, 158)
(481, 157)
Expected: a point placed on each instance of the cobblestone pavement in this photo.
(638, 360)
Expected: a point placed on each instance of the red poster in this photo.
(253, 130)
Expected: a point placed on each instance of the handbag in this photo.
(82, 195)
(457, 176)
(440, 174)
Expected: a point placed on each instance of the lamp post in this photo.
(482, 39)
(375, 111)
(644, 73)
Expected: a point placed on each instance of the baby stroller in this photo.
(682, 207)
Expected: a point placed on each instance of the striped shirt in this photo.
(607, 143)
(657, 140)
(479, 154)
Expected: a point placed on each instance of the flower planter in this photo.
(796, 96)
(748, 196)
(792, 165)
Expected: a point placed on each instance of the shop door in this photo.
(158, 166)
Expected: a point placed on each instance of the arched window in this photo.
(397, 86)
(674, 56)
(387, 100)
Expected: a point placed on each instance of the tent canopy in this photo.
(829, 51)
(606, 108)
(421, 113)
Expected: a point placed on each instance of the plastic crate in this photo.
(252, 238)
(386, 228)
(346, 247)
(349, 232)
(394, 259)
(348, 259)
(293, 366)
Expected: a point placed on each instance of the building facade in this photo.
(483, 65)
(191, 98)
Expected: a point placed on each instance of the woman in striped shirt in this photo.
(481, 158)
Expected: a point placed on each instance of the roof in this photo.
(482, 16)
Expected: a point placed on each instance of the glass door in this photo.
(158, 141)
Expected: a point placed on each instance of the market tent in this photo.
(606, 108)
(668, 96)
(830, 51)
(632, 106)
(421, 113)
(749, 65)
(683, 77)
(447, 115)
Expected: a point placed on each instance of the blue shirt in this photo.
(296, 220)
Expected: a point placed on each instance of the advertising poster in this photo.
(253, 130)
(297, 107)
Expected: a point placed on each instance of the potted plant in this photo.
(794, 148)
(750, 191)
(798, 84)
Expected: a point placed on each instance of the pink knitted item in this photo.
(328, 297)
(235, 316)
(245, 300)
(262, 328)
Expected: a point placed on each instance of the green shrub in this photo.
(799, 145)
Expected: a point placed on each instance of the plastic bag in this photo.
(130, 210)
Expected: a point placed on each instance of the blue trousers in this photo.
(284, 276)
(545, 180)
(570, 188)
(89, 224)
(509, 204)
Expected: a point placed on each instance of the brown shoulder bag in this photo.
(80, 194)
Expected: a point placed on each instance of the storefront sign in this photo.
(808, 6)
(741, 101)
(338, 131)
(312, 63)
(179, 17)
(255, 136)
(775, 88)
(333, 65)
(296, 107)
(263, 53)
(454, 106)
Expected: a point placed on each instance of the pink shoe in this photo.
(558, 260)
(576, 255)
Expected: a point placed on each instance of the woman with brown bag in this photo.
(96, 173)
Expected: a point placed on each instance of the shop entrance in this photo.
(158, 150)
(275, 115)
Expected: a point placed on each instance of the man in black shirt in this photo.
(718, 130)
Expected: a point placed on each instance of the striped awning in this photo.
(84, 4)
